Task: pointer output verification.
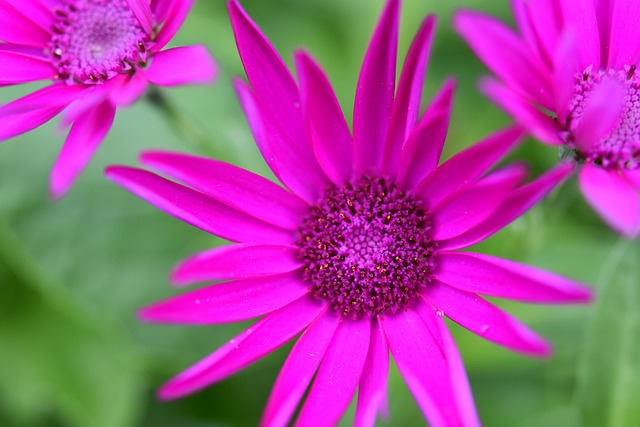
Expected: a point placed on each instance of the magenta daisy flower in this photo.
(99, 55)
(357, 256)
(575, 60)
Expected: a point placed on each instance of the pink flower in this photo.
(358, 255)
(100, 55)
(576, 60)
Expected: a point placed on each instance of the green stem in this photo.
(183, 125)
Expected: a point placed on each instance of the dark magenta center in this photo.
(93, 40)
(367, 248)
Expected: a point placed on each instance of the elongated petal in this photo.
(17, 68)
(457, 373)
(270, 80)
(486, 320)
(374, 94)
(613, 198)
(483, 274)
(624, 16)
(231, 185)
(86, 134)
(228, 302)
(602, 111)
(422, 150)
(266, 335)
(294, 165)
(580, 16)
(506, 55)
(41, 12)
(414, 348)
(160, 9)
(565, 71)
(181, 65)
(196, 208)
(372, 392)
(466, 166)
(128, 89)
(176, 13)
(326, 125)
(537, 123)
(16, 27)
(475, 204)
(142, 10)
(407, 102)
(516, 204)
(240, 261)
(546, 19)
(338, 375)
(298, 370)
(33, 110)
(633, 176)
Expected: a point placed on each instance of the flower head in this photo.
(358, 253)
(577, 61)
(99, 55)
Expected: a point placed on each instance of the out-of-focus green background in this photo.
(74, 272)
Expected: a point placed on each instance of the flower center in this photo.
(366, 248)
(93, 40)
(620, 149)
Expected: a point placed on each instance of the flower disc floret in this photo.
(94, 40)
(366, 248)
(620, 149)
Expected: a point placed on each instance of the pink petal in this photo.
(565, 71)
(523, 23)
(326, 125)
(289, 159)
(228, 302)
(35, 109)
(128, 89)
(475, 204)
(422, 150)
(41, 12)
(240, 261)
(196, 208)
(270, 80)
(506, 55)
(176, 13)
(423, 366)
(16, 26)
(374, 94)
(486, 320)
(407, 103)
(181, 65)
(535, 121)
(338, 375)
(231, 185)
(160, 9)
(580, 16)
(546, 19)
(633, 176)
(458, 376)
(16, 68)
(266, 335)
(623, 21)
(372, 392)
(483, 274)
(516, 204)
(86, 134)
(466, 166)
(602, 111)
(142, 10)
(613, 198)
(298, 370)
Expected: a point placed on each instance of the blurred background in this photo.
(74, 273)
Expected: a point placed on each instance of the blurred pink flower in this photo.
(575, 60)
(100, 54)
(359, 252)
